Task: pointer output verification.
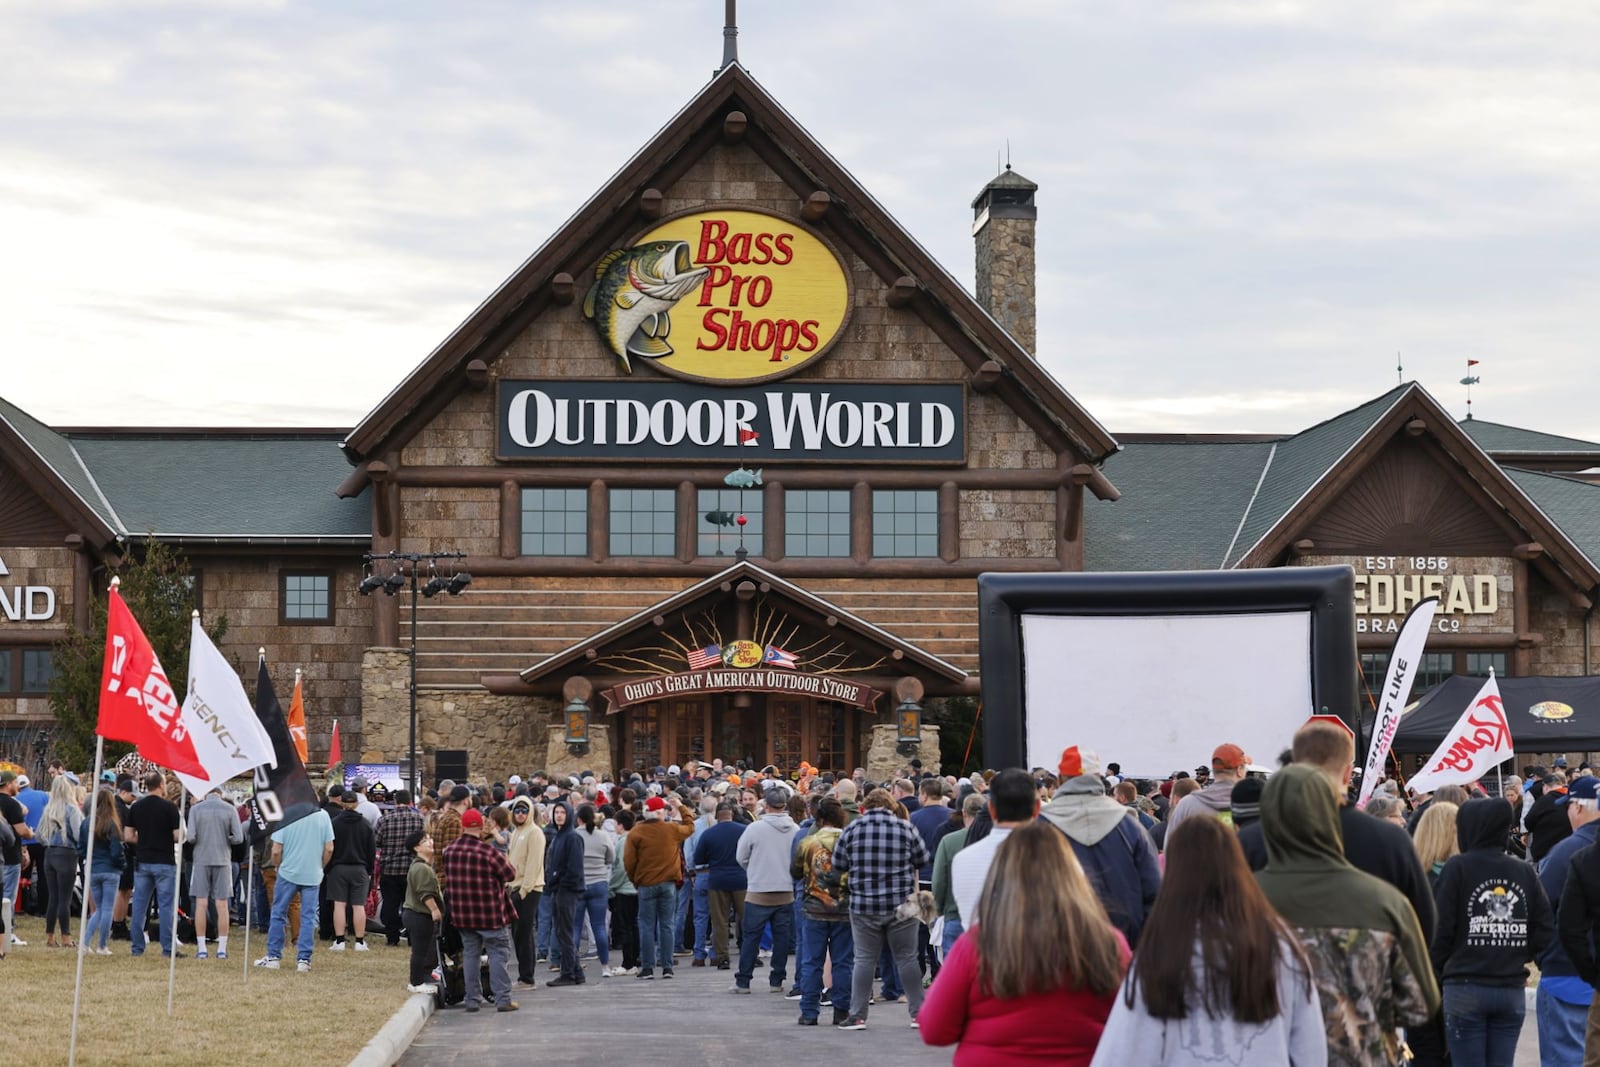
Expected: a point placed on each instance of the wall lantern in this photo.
(576, 692)
(908, 716)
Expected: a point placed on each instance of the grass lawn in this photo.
(280, 1016)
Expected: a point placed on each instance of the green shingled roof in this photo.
(1495, 438)
(200, 485)
(58, 452)
(1301, 461)
(1180, 505)
(1570, 503)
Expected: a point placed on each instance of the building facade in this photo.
(723, 459)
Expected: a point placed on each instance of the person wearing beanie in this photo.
(1110, 843)
(651, 858)
(1245, 802)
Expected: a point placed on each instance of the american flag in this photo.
(701, 658)
(777, 657)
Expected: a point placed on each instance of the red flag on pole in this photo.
(333, 746)
(1472, 363)
(137, 703)
(297, 719)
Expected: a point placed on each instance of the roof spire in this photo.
(730, 35)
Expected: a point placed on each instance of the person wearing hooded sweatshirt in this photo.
(563, 882)
(1493, 921)
(1215, 798)
(1112, 848)
(764, 852)
(527, 857)
(1367, 952)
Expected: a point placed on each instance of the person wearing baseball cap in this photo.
(1228, 762)
(651, 858)
(481, 910)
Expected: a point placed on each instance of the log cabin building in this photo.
(723, 459)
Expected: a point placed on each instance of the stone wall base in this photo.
(884, 760)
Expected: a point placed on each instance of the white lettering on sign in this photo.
(813, 422)
(28, 603)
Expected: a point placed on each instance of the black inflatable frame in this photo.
(1327, 593)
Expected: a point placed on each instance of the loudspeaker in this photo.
(450, 763)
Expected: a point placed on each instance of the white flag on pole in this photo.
(1479, 741)
(227, 734)
(1397, 684)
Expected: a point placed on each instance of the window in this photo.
(643, 522)
(25, 671)
(905, 522)
(555, 522)
(816, 522)
(306, 598)
(1434, 668)
(716, 525)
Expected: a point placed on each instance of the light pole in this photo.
(372, 580)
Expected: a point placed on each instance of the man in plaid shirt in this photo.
(394, 861)
(881, 855)
(481, 909)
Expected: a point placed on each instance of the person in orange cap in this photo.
(1216, 799)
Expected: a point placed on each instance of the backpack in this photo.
(825, 890)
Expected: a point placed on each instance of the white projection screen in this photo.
(1155, 669)
(1157, 693)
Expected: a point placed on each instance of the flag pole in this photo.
(177, 895)
(249, 900)
(88, 881)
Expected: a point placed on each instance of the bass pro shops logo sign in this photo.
(725, 297)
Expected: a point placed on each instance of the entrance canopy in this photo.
(1547, 714)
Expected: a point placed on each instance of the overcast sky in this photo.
(243, 212)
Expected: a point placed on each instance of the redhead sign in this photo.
(726, 297)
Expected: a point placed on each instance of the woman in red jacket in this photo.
(1033, 980)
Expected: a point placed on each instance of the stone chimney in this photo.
(1004, 218)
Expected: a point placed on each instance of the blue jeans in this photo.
(162, 880)
(1561, 1028)
(1482, 1023)
(833, 941)
(593, 905)
(282, 894)
(103, 888)
(11, 877)
(952, 934)
(685, 897)
(544, 941)
(702, 914)
(657, 906)
(756, 918)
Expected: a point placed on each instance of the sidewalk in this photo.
(627, 1017)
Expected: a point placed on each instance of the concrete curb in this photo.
(396, 1035)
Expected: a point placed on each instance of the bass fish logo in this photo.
(743, 654)
(1551, 710)
(633, 292)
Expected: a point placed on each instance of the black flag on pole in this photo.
(284, 794)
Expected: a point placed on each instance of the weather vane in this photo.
(1469, 381)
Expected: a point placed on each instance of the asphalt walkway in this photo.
(692, 1018)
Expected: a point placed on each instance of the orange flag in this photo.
(297, 719)
(333, 746)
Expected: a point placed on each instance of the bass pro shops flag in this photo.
(1478, 742)
(137, 703)
(228, 738)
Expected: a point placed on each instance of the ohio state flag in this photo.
(137, 703)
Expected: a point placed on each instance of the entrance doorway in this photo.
(778, 729)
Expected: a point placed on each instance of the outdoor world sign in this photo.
(25, 603)
(902, 422)
(726, 297)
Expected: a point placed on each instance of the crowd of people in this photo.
(1073, 916)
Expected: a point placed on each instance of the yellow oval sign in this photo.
(730, 297)
(1551, 709)
(745, 654)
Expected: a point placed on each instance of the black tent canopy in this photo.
(1546, 714)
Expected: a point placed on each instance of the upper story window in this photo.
(644, 522)
(905, 522)
(306, 597)
(555, 522)
(717, 522)
(25, 671)
(816, 522)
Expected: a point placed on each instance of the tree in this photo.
(960, 733)
(158, 587)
